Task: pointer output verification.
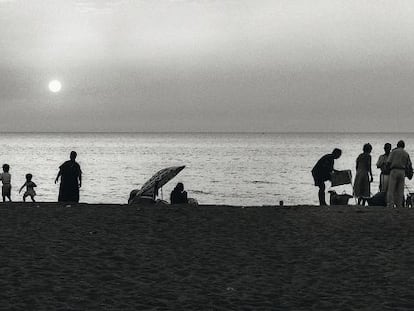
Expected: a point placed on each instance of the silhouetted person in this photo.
(398, 162)
(30, 185)
(5, 177)
(70, 180)
(382, 165)
(322, 171)
(178, 195)
(363, 177)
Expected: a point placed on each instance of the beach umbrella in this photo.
(159, 179)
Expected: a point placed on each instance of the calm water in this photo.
(240, 169)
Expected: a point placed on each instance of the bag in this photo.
(338, 199)
(339, 178)
(379, 199)
(409, 171)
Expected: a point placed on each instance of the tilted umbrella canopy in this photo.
(160, 179)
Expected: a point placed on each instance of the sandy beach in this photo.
(119, 257)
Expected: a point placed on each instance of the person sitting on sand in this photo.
(70, 175)
(363, 177)
(30, 185)
(322, 171)
(178, 195)
(5, 177)
(382, 165)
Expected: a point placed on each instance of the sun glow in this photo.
(55, 86)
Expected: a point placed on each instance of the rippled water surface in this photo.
(240, 169)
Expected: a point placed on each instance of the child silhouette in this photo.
(29, 184)
(5, 177)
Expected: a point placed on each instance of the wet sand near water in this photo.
(118, 257)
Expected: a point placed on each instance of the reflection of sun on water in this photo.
(55, 86)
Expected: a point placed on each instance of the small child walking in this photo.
(29, 184)
(5, 177)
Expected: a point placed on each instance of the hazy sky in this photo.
(207, 65)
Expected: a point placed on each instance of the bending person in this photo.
(70, 175)
(322, 171)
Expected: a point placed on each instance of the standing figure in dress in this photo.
(363, 177)
(70, 175)
(382, 165)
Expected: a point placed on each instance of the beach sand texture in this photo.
(113, 257)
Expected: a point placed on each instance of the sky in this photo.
(207, 65)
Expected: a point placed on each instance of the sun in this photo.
(55, 86)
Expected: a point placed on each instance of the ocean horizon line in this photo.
(204, 132)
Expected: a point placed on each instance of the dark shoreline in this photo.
(120, 257)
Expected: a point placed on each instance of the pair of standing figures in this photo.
(395, 165)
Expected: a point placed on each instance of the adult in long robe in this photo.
(70, 175)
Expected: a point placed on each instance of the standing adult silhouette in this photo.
(363, 177)
(382, 165)
(399, 163)
(70, 175)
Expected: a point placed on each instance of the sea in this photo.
(243, 169)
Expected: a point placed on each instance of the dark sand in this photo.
(111, 257)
